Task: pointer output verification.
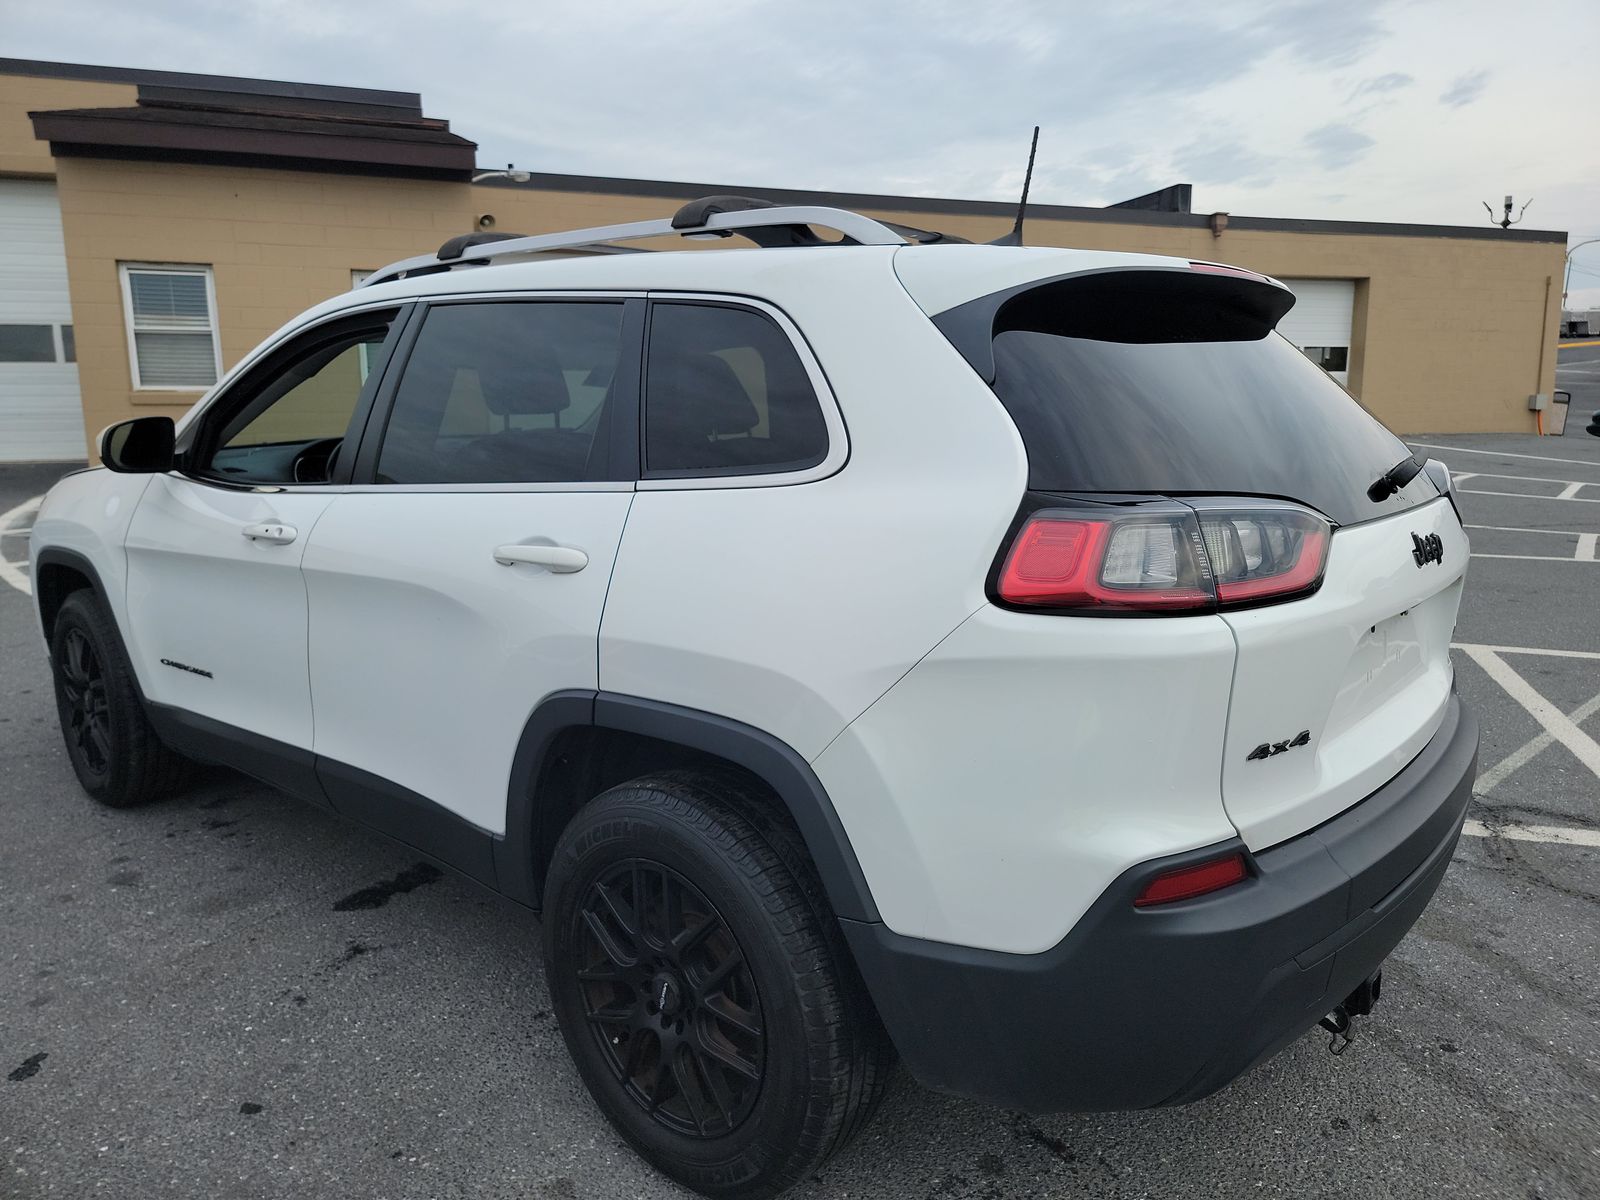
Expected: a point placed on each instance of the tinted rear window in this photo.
(1252, 417)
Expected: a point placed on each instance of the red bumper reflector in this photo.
(1188, 882)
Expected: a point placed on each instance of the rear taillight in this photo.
(1163, 557)
(1188, 882)
(1266, 553)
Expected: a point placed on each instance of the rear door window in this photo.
(725, 393)
(515, 392)
(1232, 408)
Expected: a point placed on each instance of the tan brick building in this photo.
(155, 226)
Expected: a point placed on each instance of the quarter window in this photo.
(726, 393)
(517, 392)
(172, 326)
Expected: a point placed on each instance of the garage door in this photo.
(1319, 322)
(41, 413)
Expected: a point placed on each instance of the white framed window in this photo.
(171, 315)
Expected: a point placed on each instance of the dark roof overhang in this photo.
(365, 144)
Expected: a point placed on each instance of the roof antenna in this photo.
(1014, 238)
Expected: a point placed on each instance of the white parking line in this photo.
(1537, 557)
(1583, 546)
(1525, 529)
(1556, 723)
(10, 572)
(1469, 647)
(1559, 835)
(1571, 485)
(1567, 493)
(1528, 751)
(1526, 496)
(1582, 462)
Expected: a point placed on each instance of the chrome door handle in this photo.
(563, 560)
(275, 532)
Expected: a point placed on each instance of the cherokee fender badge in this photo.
(1427, 549)
(167, 662)
(1273, 749)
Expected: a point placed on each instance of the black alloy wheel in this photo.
(115, 753)
(670, 999)
(86, 713)
(703, 986)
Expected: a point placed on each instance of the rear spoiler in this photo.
(1202, 302)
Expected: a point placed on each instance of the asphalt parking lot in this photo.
(229, 994)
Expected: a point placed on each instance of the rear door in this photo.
(1335, 691)
(462, 576)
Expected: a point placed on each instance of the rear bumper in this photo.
(1137, 1008)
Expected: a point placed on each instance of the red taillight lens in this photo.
(1188, 882)
(1164, 557)
(1061, 560)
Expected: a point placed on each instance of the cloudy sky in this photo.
(1390, 110)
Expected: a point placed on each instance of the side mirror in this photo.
(143, 446)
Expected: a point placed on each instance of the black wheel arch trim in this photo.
(771, 760)
(60, 556)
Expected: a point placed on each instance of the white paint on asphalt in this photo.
(1536, 557)
(1582, 462)
(1526, 496)
(1556, 835)
(1556, 723)
(1528, 751)
(1572, 485)
(11, 526)
(1471, 646)
(1525, 529)
(1586, 546)
(1567, 493)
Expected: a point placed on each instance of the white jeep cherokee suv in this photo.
(1022, 660)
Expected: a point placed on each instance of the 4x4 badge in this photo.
(1427, 549)
(1270, 749)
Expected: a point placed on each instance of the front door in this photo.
(215, 594)
(461, 578)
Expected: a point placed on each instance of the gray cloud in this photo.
(1338, 146)
(931, 97)
(1328, 35)
(1465, 89)
(1381, 85)
(1224, 163)
(925, 97)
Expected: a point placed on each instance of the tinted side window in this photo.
(285, 421)
(505, 393)
(725, 392)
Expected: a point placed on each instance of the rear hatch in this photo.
(1141, 387)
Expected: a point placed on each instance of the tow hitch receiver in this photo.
(1358, 1003)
